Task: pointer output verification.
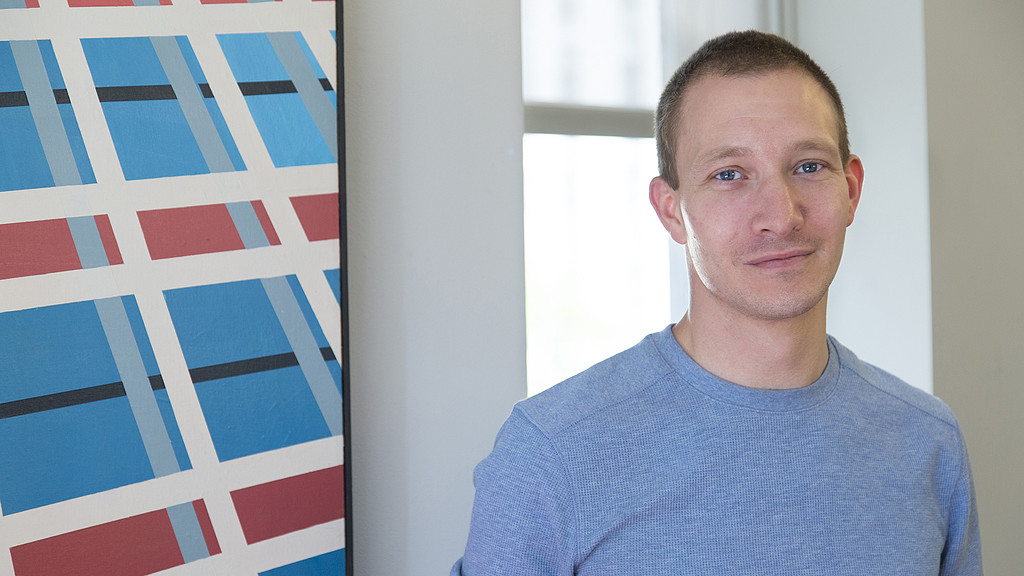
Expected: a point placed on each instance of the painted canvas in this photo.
(172, 370)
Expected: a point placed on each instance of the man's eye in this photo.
(809, 167)
(727, 175)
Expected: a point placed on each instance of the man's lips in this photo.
(779, 259)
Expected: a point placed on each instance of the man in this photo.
(743, 439)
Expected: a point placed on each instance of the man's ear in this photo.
(665, 201)
(854, 183)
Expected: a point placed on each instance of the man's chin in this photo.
(785, 306)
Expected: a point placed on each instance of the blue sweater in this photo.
(648, 464)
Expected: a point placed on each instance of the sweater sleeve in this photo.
(523, 521)
(962, 554)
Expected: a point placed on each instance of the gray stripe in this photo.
(136, 386)
(303, 344)
(44, 111)
(88, 242)
(188, 532)
(286, 45)
(146, 2)
(192, 104)
(248, 224)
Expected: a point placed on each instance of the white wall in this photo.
(436, 295)
(880, 302)
(975, 121)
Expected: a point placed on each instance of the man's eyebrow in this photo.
(721, 153)
(815, 144)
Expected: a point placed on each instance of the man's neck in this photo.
(756, 353)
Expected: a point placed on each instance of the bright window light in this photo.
(597, 277)
(593, 52)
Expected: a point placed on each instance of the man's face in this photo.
(763, 196)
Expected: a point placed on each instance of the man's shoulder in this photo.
(894, 389)
(617, 379)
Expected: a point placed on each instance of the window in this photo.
(597, 259)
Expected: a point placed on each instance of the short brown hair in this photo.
(735, 54)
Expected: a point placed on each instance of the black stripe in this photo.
(264, 88)
(242, 367)
(135, 93)
(61, 96)
(116, 389)
(139, 93)
(10, 99)
(251, 366)
(274, 87)
(70, 398)
(61, 400)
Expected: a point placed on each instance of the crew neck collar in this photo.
(754, 398)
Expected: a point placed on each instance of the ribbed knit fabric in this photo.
(648, 464)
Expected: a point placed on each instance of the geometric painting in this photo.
(172, 393)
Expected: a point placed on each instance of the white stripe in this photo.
(167, 491)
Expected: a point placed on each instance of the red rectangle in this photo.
(282, 506)
(31, 3)
(99, 3)
(134, 546)
(41, 247)
(92, 3)
(319, 216)
(175, 232)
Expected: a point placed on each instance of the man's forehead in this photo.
(716, 97)
(711, 89)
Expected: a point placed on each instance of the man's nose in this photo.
(779, 207)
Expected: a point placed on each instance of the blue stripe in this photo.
(188, 532)
(137, 388)
(248, 224)
(286, 46)
(192, 104)
(88, 242)
(48, 121)
(303, 343)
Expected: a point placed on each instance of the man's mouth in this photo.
(780, 259)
